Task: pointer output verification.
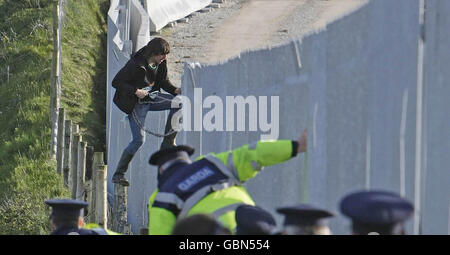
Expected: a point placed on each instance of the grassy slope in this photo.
(84, 68)
(27, 176)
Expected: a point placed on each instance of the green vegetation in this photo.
(27, 175)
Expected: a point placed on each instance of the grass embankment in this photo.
(27, 175)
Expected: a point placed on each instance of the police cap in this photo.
(376, 207)
(304, 215)
(66, 207)
(160, 157)
(253, 220)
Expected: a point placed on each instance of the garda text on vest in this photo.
(195, 178)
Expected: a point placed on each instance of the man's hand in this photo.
(302, 145)
(178, 91)
(141, 93)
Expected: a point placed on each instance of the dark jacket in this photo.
(136, 75)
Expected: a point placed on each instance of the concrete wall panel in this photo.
(314, 59)
(118, 131)
(393, 92)
(393, 96)
(353, 85)
(347, 96)
(436, 116)
(140, 25)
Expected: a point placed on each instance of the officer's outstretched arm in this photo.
(245, 162)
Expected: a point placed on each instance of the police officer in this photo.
(305, 219)
(67, 217)
(254, 220)
(212, 184)
(376, 212)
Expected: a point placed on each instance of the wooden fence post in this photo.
(101, 199)
(67, 151)
(120, 209)
(88, 186)
(74, 160)
(97, 165)
(88, 194)
(60, 141)
(81, 170)
(89, 162)
(55, 91)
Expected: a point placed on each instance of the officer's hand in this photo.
(302, 144)
(178, 91)
(141, 93)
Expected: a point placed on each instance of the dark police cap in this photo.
(376, 207)
(66, 207)
(160, 157)
(253, 220)
(304, 215)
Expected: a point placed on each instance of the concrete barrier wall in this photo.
(353, 85)
(435, 197)
(122, 18)
(246, 76)
(370, 94)
(356, 92)
(118, 54)
(163, 12)
(140, 25)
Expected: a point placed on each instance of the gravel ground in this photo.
(190, 41)
(313, 15)
(300, 22)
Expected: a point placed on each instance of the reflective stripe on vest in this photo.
(201, 193)
(229, 171)
(169, 198)
(221, 211)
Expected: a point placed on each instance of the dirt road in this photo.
(247, 24)
(258, 21)
(252, 27)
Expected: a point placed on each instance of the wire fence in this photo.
(83, 171)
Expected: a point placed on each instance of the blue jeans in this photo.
(161, 103)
